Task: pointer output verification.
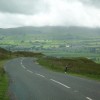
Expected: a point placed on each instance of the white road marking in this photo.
(60, 83)
(23, 66)
(88, 98)
(29, 71)
(22, 63)
(39, 75)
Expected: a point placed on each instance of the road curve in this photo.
(30, 81)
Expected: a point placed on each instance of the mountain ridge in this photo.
(56, 31)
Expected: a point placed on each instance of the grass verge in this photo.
(3, 82)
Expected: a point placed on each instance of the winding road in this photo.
(30, 81)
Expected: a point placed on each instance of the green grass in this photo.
(50, 64)
(77, 66)
(88, 76)
(3, 83)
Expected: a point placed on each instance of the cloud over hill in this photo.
(15, 13)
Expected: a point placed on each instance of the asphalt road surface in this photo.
(30, 81)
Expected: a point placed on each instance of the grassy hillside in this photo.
(79, 66)
(4, 54)
(56, 33)
(26, 54)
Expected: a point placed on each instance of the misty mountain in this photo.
(52, 32)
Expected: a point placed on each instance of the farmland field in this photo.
(53, 41)
(59, 48)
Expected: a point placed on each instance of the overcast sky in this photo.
(16, 13)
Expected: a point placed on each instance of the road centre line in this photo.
(39, 75)
(23, 66)
(22, 60)
(60, 83)
(88, 98)
(22, 63)
(29, 71)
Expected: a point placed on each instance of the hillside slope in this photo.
(53, 32)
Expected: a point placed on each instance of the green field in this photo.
(59, 48)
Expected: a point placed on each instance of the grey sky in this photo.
(95, 3)
(15, 13)
(22, 6)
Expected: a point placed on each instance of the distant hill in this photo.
(53, 32)
(3, 54)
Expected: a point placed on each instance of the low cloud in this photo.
(51, 13)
